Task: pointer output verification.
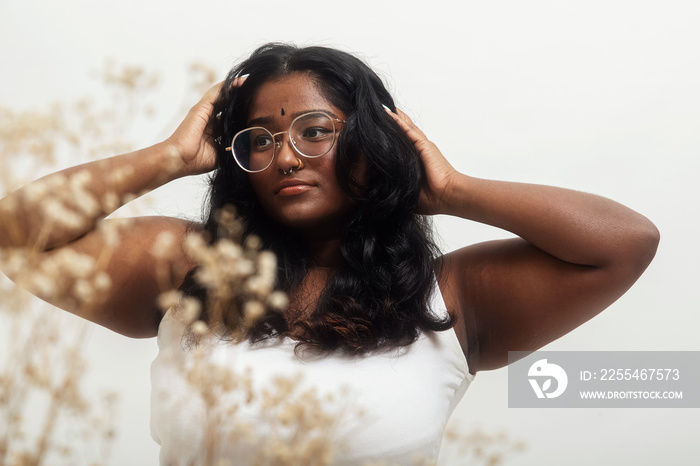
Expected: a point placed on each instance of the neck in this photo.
(323, 246)
(326, 259)
(325, 254)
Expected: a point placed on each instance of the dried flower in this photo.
(278, 300)
(200, 328)
(110, 202)
(102, 281)
(169, 299)
(163, 246)
(190, 309)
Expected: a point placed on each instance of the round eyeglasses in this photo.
(312, 135)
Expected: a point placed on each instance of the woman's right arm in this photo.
(58, 245)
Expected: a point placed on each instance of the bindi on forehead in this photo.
(282, 111)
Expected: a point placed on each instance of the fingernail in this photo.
(387, 108)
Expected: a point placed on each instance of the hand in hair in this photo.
(439, 173)
(192, 142)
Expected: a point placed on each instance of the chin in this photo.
(303, 222)
(312, 222)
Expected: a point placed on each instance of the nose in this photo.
(286, 156)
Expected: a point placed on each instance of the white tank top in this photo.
(389, 407)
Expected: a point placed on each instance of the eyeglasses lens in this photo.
(253, 149)
(313, 134)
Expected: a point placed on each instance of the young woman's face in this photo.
(308, 199)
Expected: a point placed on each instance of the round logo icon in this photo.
(546, 372)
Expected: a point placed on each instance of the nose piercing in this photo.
(299, 166)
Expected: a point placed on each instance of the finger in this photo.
(412, 131)
(212, 93)
(237, 81)
(406, 119)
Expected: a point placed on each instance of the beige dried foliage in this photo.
(239, 280)
(294, 425)
(477, 447)
(43, 366)
(202, 77)
(32, 135)
(130, 78)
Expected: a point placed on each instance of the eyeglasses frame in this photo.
(278, 144)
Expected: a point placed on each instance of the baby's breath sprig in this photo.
(239, 280)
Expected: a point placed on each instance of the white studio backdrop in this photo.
(599, 96)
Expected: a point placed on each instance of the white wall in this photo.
(600, 96)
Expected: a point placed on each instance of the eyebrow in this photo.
(268, 119)
(260, 121)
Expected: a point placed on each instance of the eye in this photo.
(262, 142)
(316, 132)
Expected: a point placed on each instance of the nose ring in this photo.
(299, 166)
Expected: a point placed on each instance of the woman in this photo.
(321, 166)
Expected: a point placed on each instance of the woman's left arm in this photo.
(575, 255)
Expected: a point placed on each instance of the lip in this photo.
(292, 187)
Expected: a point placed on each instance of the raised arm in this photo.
(575, 255)
(55, 224)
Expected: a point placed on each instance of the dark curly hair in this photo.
(380, 295)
